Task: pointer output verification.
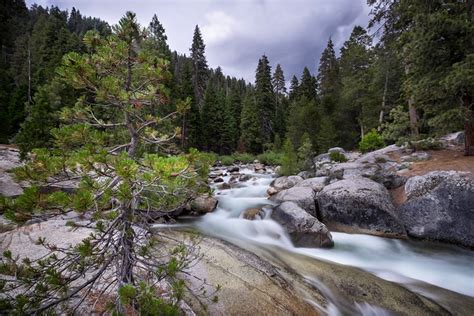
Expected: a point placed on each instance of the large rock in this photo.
(283, 183)
(203, 204)
(317, 184)
(302, 196)
(359, 205)
(9, 159)
(304, 229)
(253, 213)
(440, 206)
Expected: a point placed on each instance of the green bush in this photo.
(289, 164)
(243, 157)
(371, 141)
(337, 157)
(270, 158)
(227, 160)
(426, 144)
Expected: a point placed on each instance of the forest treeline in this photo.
(410, 75)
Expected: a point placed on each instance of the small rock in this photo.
(416, 156)
(245, 177)
(218, 180)
(233, 169)
(253, 213)
(317, 184)
(336, 150)
(224, 186)
(203, 204)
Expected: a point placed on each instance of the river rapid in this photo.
(426, 268)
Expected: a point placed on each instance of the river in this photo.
(420, 266)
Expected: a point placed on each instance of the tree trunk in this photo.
(384, 101)
(411, 103)
(468, 126)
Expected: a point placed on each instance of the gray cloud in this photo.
(292, 33)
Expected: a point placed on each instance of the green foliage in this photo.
(337, 156)
(371, 141)
(243, 157)
(226, 160)
(271, 158)
(397, 128)
(305, 152)
(426, 144)
(289, 165)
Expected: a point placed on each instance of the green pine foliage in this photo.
(289, 161)
(371, 141)
(103, 142)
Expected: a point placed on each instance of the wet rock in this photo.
(302, 196)
(359, 205)
(440, 207)
(283, 183)
(317, 184)
(203, 204)
(233, 169)
(304, 229)
(224, 186)
(253, 213)
(233, 179)
(218, 180)
(245, 177)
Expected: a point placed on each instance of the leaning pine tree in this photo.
(102, 145)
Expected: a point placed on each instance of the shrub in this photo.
(305, 151)
(337, 156)
(289, 164)
(244, 157)
(426, 144)
(226, 160)
(271, 158)
(371, 141)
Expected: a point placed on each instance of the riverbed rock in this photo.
(336, 150)
(317, 184)
(302, 196)
(233, 169)
(359, 205)
(304, 229)
(440, 206)
(253, 213)
(283, 183)
(245, 177)
(306, 174)
(203, 204)
(218, 180)
(224, 186)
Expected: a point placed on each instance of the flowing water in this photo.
(419, 266)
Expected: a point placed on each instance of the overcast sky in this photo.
(237, 32)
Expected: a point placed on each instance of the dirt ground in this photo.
(445, 159)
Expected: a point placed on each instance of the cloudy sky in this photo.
(237, 32)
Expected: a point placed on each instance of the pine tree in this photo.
(289, 164)
(328, 77)
(307, 87)
(305, 152)
(122, 188)
(265, 100)
(281, 104)
(358, 111)
(293, 88)
(250, 130)
(200, 68)
(158, 38)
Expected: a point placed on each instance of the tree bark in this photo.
(384, 101)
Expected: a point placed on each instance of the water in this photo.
(413, 264)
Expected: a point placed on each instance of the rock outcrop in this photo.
(440, 206)
(304, 229)
(359, 205)
(317, 184)
(304, 197)
(9, 159)
(283, 183)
